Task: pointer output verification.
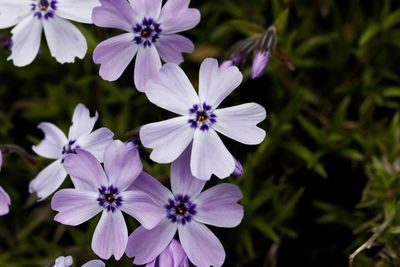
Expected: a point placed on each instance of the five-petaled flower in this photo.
(65, 41)
(200, 119)
(186, 209)
(151, 35)
(107, 191)
(56, 146)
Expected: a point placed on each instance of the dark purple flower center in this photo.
(109, 198)
(147, 32)
(202, 116)
(69, 148)
(44, 9)
(180, 209)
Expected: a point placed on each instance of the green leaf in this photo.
(371, 31)
(391, 20)
(281, 22)
(246, 27)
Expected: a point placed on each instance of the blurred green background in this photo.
(324, 182)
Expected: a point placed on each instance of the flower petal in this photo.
(5, 202)
(201, 245)
(26, 38)
(82, 122)
(172, 256)
(122, 164)
(96, 142)
(53, 142)
(115, 14)
(77, 10)
(167, 138)
(210, 156)
(182, 180)
(216, 84)
(170, 47)
(146, 245)
(110, 236)
(63, 261)
(240, 123)
(13, 12)
(153, 188)
(143, 208)
(173, 91)
(94, 263)
(218, 206)
(114, 55)
(75, 206)
(48, 180)
(86, 167)
(177, 17)
(65, 41)
(147, 8)
(147, 66)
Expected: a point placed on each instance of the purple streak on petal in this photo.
(172, 256)
(260, 62)
(142, 207)
(146, 245)
(122, 164)
(149, 8)
(238, 169)
(182, 180)
(74, 206)
(86, 167)
(115, 14)
(176, 16)
(201, 245)
(153, 188)
(110, 236)
(170, 47)
(218, 206)
(5, 202)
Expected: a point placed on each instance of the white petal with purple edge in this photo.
(147, 8)
(150, 185)
(94, 263)
(12, 12)
(53, 142)
(171, 46)
(26, 38)
(77, 10)
(218, 206)
(173, 91)
(216, 84)
(122, 164)
(240, 123)
(114, 55)
(142, 207)
(210, 156)
(82, 122)
(86, 167)
(182, 180)
(96, 142)
(146, 245)
(64, 39)
(48, 180)
(5, 202)
(110, 236)
(147, 66)
(114, 14)
(201, 246)
(177, 17)
(74, 206)
(167, 138)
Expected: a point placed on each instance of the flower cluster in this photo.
(107, 175)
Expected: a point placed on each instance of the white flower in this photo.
(65, 41)
(200, 119)
(56, 146)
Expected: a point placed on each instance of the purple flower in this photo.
(67, 262)
(5, 200)
(151, 35)
(172, 256)
(200, 119)
(107, 192)
(56, 146)
(94, 263)
(186, 210)
(233, 61)
(65, 41)
(260, 62)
